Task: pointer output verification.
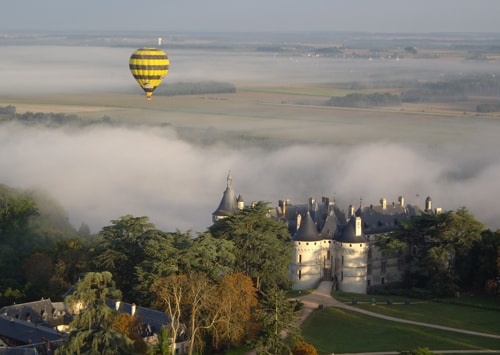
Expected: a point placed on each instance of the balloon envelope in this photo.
(149, 66)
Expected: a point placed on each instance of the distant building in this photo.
(328, 245)
(40, 327)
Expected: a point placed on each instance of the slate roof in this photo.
(377, 219)
(326, 217)
(347, 233)
(151, 318)
(41, 312)
(27, 332)
(229, 203)
(307, 231)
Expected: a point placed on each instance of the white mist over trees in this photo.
(99, 174)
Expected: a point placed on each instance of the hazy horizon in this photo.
(386, 16)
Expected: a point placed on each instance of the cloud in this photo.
(101, 173)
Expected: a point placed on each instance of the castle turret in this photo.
(306, 267)
(228, 204)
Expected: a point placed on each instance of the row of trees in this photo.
(446, 252)
(47, 119)
(365, 100)
(196, 88)
(451, 90)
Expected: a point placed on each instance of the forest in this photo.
(227, 284)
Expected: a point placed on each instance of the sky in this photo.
(410, 16)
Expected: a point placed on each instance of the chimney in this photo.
(428, 204)
(383, 203)
(132, 309)
(358, 227)
(240, 203)
(282, 204)
(351, 211)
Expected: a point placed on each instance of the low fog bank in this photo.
(102, 173)
(52, 69)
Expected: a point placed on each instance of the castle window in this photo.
(383, 266)
(342, 262)
(307, 243)
(300, 274)
(341, 276)
(328, 254)
(300, 259)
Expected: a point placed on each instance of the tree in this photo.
(92, 331)
(236, 300)
(122, 248)
(438, 247)
(38, 269)
(15, 211)
(130, 326)
(215, 257)
(303, 348)
(262, 245)
(201, 314)
(170, 294)
(162, 258)
(279, 319)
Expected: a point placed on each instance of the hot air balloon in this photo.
(149, 66)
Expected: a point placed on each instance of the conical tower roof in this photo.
(229, 203)
(307, 231)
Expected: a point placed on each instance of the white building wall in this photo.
(309, 261)
(351, 267)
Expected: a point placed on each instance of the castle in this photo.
(329, 245)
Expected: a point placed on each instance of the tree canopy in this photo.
(262, 245)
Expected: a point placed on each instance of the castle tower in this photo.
(305, 268)
(229, 203)
(351, 257)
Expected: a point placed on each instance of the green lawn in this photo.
(476, 313)
(341, 331)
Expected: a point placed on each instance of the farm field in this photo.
(276, 114)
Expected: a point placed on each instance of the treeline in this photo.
(195, 88)
(488, 107)
(365, 100)
(34, 235)
(49, 119)
(453, 90)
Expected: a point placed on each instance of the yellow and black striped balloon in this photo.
(149, 66)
